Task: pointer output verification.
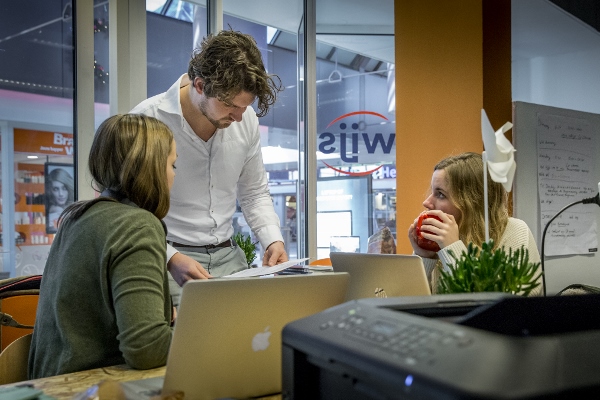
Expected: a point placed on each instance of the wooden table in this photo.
(68, 385)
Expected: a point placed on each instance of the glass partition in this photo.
(356, 127)
(355, 114)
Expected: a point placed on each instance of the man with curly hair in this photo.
(216, 129)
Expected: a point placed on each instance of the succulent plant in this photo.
(487, 270)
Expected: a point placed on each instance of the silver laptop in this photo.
(382, 275)
(227, 338)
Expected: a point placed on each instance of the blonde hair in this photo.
(464, 176)
(128, 157)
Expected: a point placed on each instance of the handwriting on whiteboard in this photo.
(566, 161)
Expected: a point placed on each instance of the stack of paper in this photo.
(258, 271)
(321, 268)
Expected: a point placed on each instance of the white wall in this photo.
(569, 81)
(556, 63)
(555, 57)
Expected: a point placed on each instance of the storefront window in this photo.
(355, 123)
(36, 122)
(356, 154)
(170, 39)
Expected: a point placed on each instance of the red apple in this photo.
(423, 243)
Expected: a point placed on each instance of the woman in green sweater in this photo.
(104, 298)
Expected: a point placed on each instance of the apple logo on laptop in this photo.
(260, 341)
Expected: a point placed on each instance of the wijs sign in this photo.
(354, 146)
(31, 141)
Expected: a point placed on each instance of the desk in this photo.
(67, 385)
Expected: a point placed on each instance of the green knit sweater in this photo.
(104, 297)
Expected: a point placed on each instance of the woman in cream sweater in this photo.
(457, 200)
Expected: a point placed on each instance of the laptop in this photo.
(381, 275)
(227, 338)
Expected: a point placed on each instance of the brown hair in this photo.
(464, 176)
(229, 63)
(129, 158)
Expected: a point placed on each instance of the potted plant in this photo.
(489, 270)
(245, 243)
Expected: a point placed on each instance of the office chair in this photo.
(14, 360)
(18, 306)
(578, 288)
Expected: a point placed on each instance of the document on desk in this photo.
(142, 389)
(258, 271)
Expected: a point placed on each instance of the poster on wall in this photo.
(59, 193)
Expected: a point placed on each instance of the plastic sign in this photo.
(44, 142)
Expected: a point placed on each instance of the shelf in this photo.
(30, 207)
(35, 234)
(39, 226)
(30, 185)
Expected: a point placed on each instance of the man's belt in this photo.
(227, 243)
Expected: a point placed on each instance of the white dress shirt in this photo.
(211, 175)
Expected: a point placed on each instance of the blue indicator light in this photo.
(409, 380)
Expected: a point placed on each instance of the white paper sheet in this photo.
(499, 151)
(566, 161)
(258, 271)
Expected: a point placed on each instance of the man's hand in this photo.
(275, 254)
(184, 268)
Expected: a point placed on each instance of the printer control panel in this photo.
(408, 342)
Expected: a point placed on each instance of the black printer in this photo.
(471, 346)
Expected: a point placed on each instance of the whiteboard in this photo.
(561, 270)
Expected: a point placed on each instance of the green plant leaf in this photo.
(489, 270)
(246, 244)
